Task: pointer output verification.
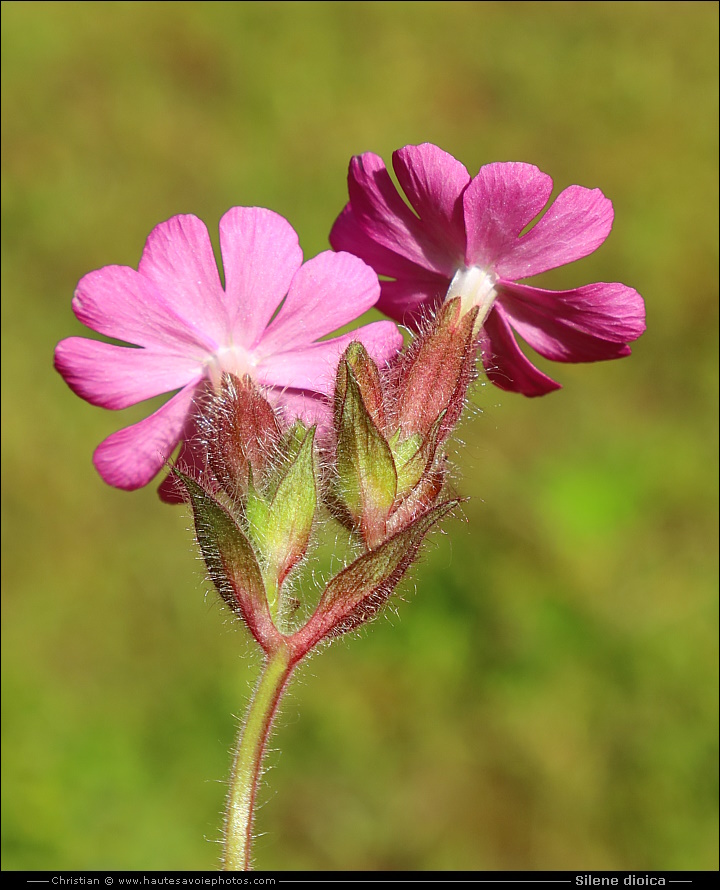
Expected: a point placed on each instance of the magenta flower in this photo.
(265, 322)
(464, 237)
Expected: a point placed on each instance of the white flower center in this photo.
(475, 287)
(229, 360)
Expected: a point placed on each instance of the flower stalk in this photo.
(247, 763)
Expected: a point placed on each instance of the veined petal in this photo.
(312, 408)
(314, 367)
(119, 376)
(130, 457)
(191, 460)
(178, 258)
(587, 324)
(505, 364)
(349, 235)
(500, 201)
(120, 302)
(388, 220)
(261, 255)
(434, 183)
(577, 223)
(328, 291)
(411, 300)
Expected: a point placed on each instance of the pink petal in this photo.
(130, 457)
(434, 182)
(119, 302)
(118, 376)
(411, 301)
(192, 460)
(178, 259)
(261, 254)
(388, 220)
(328, 291)
(505, 364)
(349, 235)
(314, 367)
(500, 201)
(577, 223)
(313, 409)
(588, 324)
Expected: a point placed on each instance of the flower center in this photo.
(475, 287)
(229, 360)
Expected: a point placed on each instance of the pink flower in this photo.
(265, 322)
(464, 237)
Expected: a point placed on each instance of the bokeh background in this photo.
(543, 694)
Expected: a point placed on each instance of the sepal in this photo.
(231, 562)
(358, 592)
(366, 484)
(241, 433)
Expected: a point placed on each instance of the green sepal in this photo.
(414, 456)
(230, 560)
(282, 527)
(367, 481)
(355, 595)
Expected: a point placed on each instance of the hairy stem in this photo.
(247, 764)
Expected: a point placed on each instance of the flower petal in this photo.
(505, 364)
(410, 301)
(577, 223)
(500, 201)
(387, 219)
(260, 254)
(118, 376)
(434, 183)
(130, 457)
(313, 409)
(328, 291)
(178, 258)
(587, 324)
(191, 460)
(120, 302)
(314, 367)
(349, 235)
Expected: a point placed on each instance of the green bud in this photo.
(281, 527)
(355, 595)
(231, 562)
(366, 481)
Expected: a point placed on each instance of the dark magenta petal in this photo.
(387, 219)
(505, 364)
(434, 183)
(576, 224)
(587, 324)
(411, 301)
(500, 201)
(348, 234)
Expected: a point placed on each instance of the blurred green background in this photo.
(543, 694)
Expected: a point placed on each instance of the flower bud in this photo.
(231, 562)
(358, 592)
(280, 525)
(366, 479)
(241, 431)
(434, 374)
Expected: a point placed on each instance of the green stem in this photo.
(247, 765)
